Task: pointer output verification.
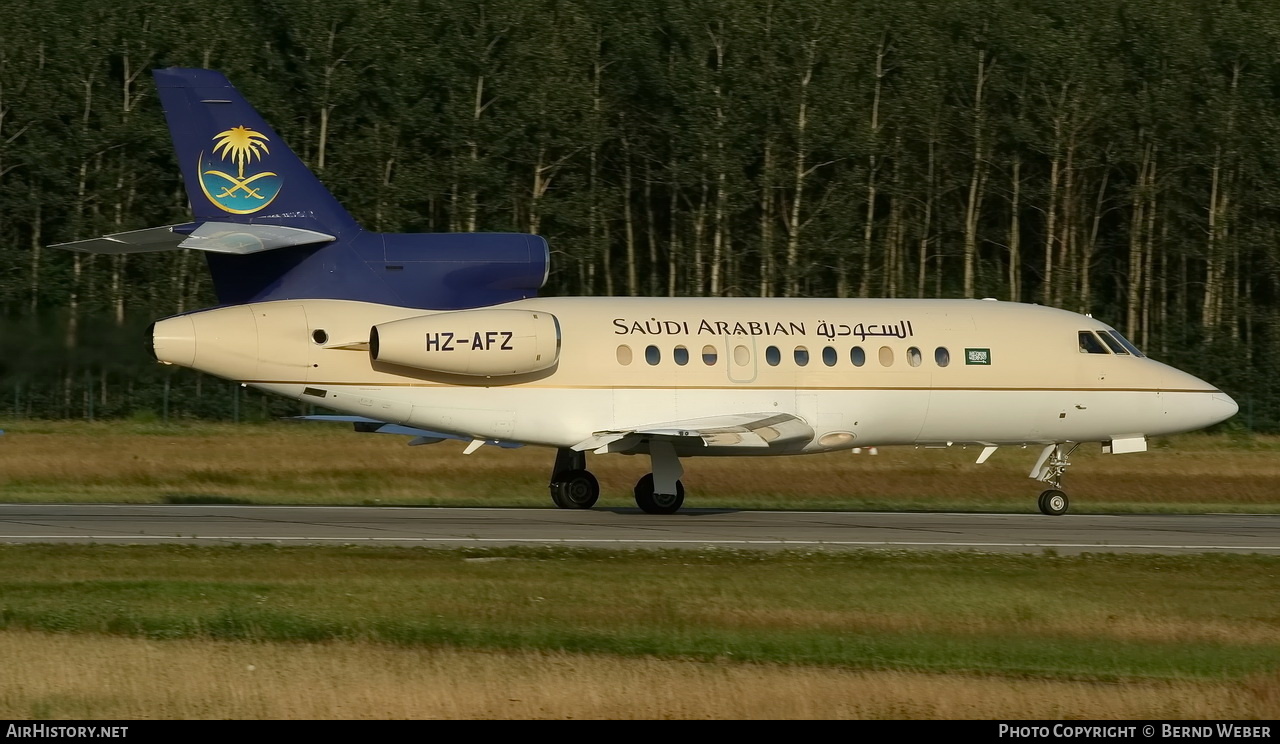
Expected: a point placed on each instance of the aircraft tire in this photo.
(651, 503)
(575, 489)
(1054, 502)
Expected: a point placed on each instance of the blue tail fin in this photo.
(271, 231)
(236, 168)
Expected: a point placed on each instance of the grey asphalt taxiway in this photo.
(630, 529)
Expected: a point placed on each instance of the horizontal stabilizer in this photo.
(213, 237)
(421, 436)
(135, 241)
(757, 430)
(228, 237)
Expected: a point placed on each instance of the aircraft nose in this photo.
(173, 341)
(1191, 403)
(1198, 410)
(1224, 407)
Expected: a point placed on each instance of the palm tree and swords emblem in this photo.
(238, 193)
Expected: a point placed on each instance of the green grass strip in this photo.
(1098, 617)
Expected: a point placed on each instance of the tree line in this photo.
(1105, 156)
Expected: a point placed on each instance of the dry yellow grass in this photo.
(288, 463)
(105, 678)
(1082, 623)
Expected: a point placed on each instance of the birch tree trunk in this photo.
(794, 225)
(1015, 231)
(473, 197)
(926, 230)
(1051, 211)
(873, 166)
(633, 280)
(1137, 241)
(977, 175)
(719, 216)
(1091, 246)
(767, 216)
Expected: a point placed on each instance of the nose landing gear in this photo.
(1049, 468)
(1053, 502)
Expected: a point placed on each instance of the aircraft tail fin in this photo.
(235, 167)
(269, 230)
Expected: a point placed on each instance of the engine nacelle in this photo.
(486, 343)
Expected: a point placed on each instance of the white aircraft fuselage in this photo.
(616, 374)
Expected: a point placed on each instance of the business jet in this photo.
(443, 336)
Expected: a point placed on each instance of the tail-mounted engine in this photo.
(486, 343)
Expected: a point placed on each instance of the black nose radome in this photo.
(149, 342)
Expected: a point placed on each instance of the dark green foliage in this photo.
(1104, 156)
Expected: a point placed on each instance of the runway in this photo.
(631, 529)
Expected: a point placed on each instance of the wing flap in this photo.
(368, 425)
(753, 430)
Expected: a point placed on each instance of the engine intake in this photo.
(482, 343)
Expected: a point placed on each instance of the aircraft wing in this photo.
(758, 430)
(214, 237)
(420, 436)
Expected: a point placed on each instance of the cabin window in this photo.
(319, 336)
(914, 357)
(741, 356)
(709, 355)
(624, 355)
(652, 354)
(857, 356)
(772, 356)
(886, 356)
(1124, 342)
(1113, 344)
(829, 356)
(942, 356)
(1089, 344)
(801, 356)
(681, 355)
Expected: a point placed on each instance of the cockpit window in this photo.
(1123, 342)
(1115, 346)
(1089, 343)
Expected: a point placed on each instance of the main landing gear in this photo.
(1049, 468)
(659, 492)
(572, 486)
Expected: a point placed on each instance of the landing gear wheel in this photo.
(575, 489)
(653, 503)
(1054, 502)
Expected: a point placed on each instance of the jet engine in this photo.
(486, 343)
